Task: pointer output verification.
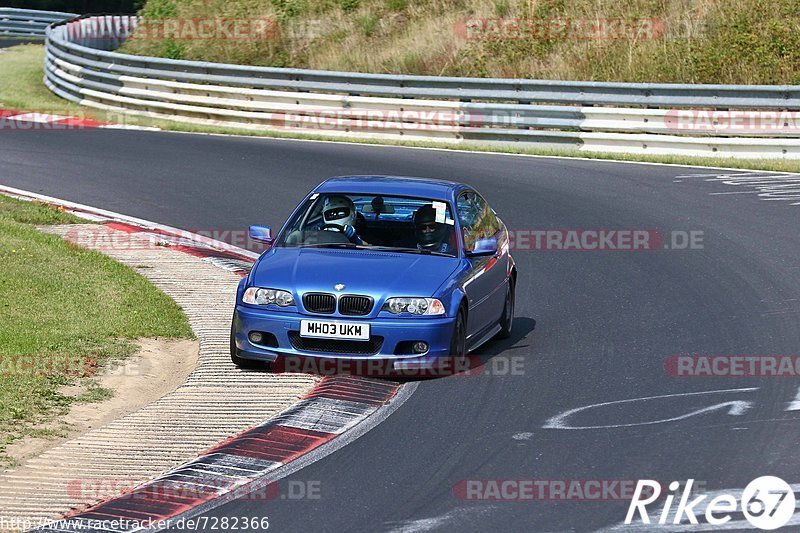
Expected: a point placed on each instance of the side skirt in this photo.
(483, 339)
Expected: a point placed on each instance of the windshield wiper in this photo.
(408, 250)
(330, 245)
(351, 246)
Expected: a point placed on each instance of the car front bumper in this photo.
(436, 332)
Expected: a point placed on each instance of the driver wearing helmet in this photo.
(431, 235)
(339, 213)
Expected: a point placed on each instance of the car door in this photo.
(487, 275)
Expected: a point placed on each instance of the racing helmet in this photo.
(429, 233)
(338, 210)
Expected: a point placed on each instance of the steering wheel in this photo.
(336, 227)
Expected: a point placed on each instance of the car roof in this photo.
(391, 185)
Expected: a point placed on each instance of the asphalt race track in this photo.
(591, 327)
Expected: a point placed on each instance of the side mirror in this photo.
(483, 247)
(261, 233)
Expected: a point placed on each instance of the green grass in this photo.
(64, 311)
(21, 87)
(703, 41)
(25, 62)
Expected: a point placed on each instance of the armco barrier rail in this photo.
(28, 22)
(711, 120)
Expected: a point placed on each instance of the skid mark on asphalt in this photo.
(794, 405)
(775, 186)
(733, 408)
(436, 522)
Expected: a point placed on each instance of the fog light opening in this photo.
(420, 347)
(256, 337)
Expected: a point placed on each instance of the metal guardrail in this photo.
(81, 66)
(28, 22)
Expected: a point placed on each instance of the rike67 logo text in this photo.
(767, 502)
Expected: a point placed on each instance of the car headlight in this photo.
(259, 296)
(415, 306)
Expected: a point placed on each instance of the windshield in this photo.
(376, 222)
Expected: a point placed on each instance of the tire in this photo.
(241, 362)
(458, 342)
(507, 320)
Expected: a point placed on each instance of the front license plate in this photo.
(329, 329)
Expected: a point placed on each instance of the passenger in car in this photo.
(431, 235)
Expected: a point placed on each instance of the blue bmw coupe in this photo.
(409, 271)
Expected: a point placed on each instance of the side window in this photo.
(476, 217)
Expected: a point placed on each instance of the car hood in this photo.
(378, 274)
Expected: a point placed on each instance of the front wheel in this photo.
(507, 320)
(458, 343)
